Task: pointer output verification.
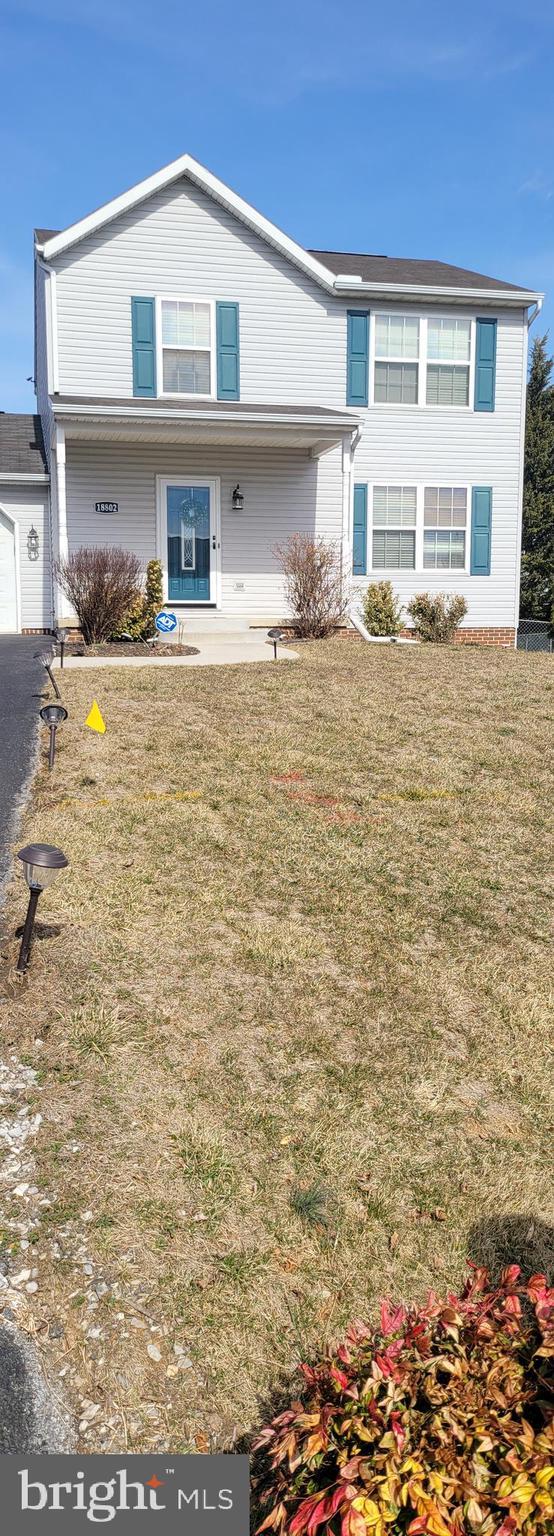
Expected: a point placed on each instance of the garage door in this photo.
(8, 598)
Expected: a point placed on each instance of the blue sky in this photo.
(420, 130)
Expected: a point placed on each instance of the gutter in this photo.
(352, 286)
(535, 311)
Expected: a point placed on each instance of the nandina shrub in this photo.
(382, 609)
(436, 616)
(438, 1421)
(314, 587)
(102, 585)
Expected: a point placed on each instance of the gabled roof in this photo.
(21, 445)
(54, 244)
(408, 270)
(335, 271)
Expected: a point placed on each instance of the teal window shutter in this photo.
(357, 356)
(481, 518)
(485, 365)
(143, 323)
(228, 352)
(359, 551)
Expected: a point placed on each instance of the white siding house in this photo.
(186, 347)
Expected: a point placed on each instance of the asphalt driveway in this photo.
(21, 686)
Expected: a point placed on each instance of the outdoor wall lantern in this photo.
(45, 658)
(53, 715)
(275, 635)
(33, 544)
(41, 863)
(238, 499)
(61, 637)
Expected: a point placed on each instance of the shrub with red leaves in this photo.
(440, 1421)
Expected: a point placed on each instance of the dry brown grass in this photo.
(297, 1027)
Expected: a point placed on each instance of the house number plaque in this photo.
(106, 506)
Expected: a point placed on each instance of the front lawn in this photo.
(296, 1027)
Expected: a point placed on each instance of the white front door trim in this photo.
(15, 527)
(213, 483)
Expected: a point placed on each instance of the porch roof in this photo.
(217, 422)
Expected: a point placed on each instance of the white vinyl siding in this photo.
(28, 506)
(285, 492)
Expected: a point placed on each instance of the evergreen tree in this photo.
(537, 565)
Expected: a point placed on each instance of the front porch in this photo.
(162, 483)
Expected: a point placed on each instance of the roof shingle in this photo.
(411, 270)
(21, 445)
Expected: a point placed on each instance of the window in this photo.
(187, 344)
(444, 530)
(448, 358)
(394, 523)
(396, 344)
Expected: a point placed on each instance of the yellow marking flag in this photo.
(94, 719)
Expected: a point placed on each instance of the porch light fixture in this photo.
(33, 544)
(61, 637)
(276, 635)
(41, 864)
(45, 658)
(238, 499)
(53, 715)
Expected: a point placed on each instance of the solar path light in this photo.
(53, 715)
(41, 864)
(61, 637)
(45, 658)
(275, 635)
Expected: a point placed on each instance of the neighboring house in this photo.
(207, 387)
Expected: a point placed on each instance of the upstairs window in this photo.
(444, 530)
(187, 347)
(448, 360)
(396, 359)
(394, 525)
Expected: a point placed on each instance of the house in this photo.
(206, 387)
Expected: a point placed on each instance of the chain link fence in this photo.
(535, 635)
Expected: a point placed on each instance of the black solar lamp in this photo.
(45, 658)
(53, 715)
(61, 637)
(276, 635)
(41, 864)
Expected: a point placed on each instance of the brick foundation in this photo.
(37, 631)
(487, 635)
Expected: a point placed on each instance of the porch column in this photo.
(346, 543)
(62, 542)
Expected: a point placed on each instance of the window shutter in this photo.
(143, 324)
(359, 551)
(481, 516)
(485, 365)
(228, 356)
(357, 356)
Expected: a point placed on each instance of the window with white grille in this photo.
(396, 359)
(187, 346)
(448, 361)
(394, 524)
(444, 528)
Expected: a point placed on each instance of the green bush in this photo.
(139, 618)
(436, 1423)
(382, 610)
(436, 616)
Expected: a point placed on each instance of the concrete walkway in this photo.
(214, 650)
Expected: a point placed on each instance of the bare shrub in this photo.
(102, 585)
(313, 584)
(436, 617)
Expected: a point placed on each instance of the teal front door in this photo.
(189, 543)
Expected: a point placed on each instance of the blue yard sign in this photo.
(166, 622)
